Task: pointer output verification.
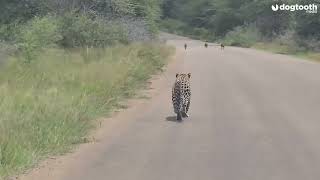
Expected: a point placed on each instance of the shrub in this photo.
(81, 31)
(288, 40)
(137, 28)
(203, 34)
(309, 43)
(8, 32)
(180, 28)
(245, 36)
(174, 26)
(37, 34)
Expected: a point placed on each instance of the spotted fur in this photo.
(181, 94)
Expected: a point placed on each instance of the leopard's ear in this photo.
(189, 75)
(177, 75)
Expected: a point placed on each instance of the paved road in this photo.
(254, 116)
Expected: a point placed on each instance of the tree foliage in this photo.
(78, 23)
(222, 16)
(25, 9)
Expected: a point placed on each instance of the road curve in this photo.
(254, 116)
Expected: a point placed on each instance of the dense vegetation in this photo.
(244, 22)
(31, 25)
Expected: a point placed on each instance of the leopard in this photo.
(181, 95)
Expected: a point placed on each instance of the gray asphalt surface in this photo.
(254, 116)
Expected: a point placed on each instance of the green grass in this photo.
(50, 104)
(273, 47)
(309, 55)
(283, 49)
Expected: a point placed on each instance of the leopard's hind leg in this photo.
(179, 116)
(186, 109)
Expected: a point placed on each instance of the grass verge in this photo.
(50, 104)
(283, 49)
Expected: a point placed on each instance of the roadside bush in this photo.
(8, 32)
(6, 50)
(137, 28)
(203, 34)
(181, 28)
(37, 34)
(174, 26)
(82, 31)
(288, 40)
(69, 31)
(309, 43)
(244, 36)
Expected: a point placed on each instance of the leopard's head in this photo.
(185, 77)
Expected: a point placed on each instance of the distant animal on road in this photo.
(181, 95)
(222, 47)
